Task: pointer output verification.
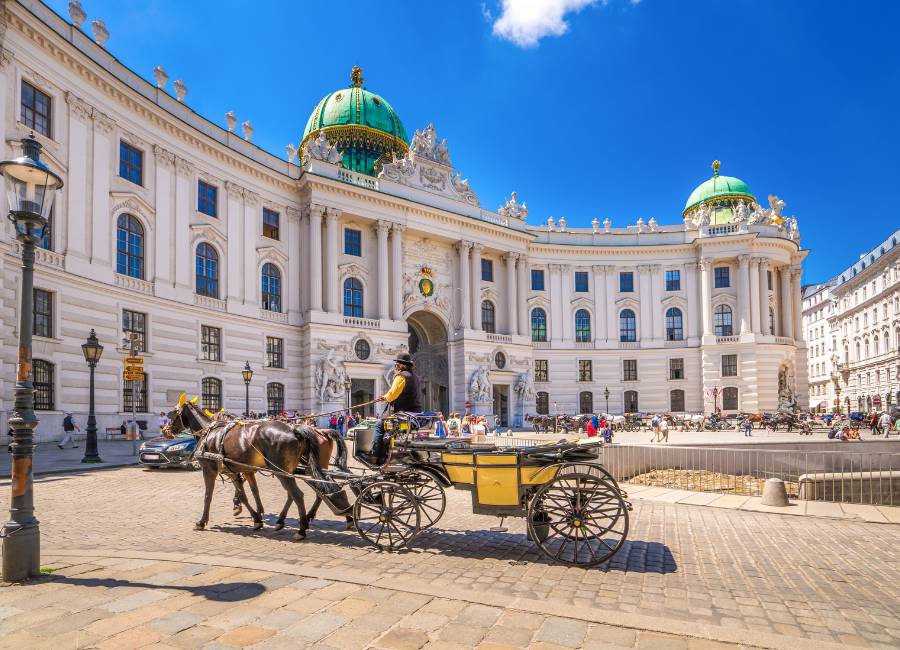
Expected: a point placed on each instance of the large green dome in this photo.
(362, 124)
(720, 188)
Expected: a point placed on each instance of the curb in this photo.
(84, 467)
(639, 622)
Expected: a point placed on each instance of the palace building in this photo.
(364, 241)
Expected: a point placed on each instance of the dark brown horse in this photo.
(246, 447)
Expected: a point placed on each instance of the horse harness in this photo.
(211, 445)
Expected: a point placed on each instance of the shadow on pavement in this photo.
(635, 556)
(226, 591)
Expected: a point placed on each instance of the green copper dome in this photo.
(718, 188)
(363, 125)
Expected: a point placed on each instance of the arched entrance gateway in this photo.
(428, 347)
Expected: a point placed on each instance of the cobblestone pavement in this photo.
(722, 574)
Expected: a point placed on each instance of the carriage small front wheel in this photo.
(387, 515)
(578, 519)
(429, 493)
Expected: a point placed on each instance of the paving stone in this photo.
(132, 638)
(317, 626)
(175, 622)
(467, 635)
(478, 615)
(402, 638)
(521, 620)
(244, 636)
(655, 641)
(351, 607)
(564, 632)
(515, 637)
(194, 637)
(611, 635)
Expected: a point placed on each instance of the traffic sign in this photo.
(133, 369)
(134, 360)
(133, 376)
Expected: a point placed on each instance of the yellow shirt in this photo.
(396, 388)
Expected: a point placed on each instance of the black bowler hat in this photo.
(405, 359)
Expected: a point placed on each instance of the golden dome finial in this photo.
(715, 167)
(356, 76)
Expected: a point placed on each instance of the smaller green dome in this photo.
(718, 187)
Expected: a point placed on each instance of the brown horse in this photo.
(246, 447)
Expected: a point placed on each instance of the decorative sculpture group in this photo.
(330, 378)
(319, 148)
(480, 388)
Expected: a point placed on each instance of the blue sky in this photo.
(605, 109)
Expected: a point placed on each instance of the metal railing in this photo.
(841, 475)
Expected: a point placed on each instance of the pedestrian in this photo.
(440, 427)
(663, 429)
(162, 421)
(9, 435)
(884, 424)
(340, 425)
(453, 425)
(590, 430)
(654, 427)
(747, 426)
(123, 429)
(595, 421)
(69, 429)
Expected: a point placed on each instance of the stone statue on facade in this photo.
(776, 205)
(701, 217)
(525, 385)
(741, 212)
(787, 402)
(319, 148)
(425, 144)
(513, 209)
(329, 378)
(480, 389)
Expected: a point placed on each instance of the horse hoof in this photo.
(237, 510)
(199, 526)
(279, 525)
(300, 535)
(257, 525)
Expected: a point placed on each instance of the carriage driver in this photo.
(403, 395)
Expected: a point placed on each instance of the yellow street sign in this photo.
(134, 360)
(133, 376)
(134, 368)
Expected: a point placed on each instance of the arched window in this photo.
(674, 325)
(488, 317)
(207, 274)
(730, 399)
(353, 298)
(130, 247)
(271, 287)
(274, 398)
(858, 354)
(585, 402)
(723, 321)
(627, 326)
(538, 325)
(631, 401)
(42, 380)
(582, 328)
(211, 393)
(542, 403)
(676, 401)
(875, 345)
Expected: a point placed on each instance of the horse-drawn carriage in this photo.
(574, 509)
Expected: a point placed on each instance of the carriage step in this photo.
(629, 506)
(624, 494)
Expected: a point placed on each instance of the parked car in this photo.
(857, 416)
(168, 452)
(368, 423)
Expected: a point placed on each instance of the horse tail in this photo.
(340, 457)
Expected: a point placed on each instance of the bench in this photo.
(112, 433)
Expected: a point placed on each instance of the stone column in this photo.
(332, 294)
(656, 283)
(612, 330)
(295, 275)
(184, 261)
(510, 259)
(316, 212)
(234, 209)
(600, 303)
(755, 302)
(556, 302)
(744, 292)
(764, 328)
(76, 183)
(705, 267)
(787, 316)
(694, 306)
(381, 232)
(568, 316)
(475, 289)
(522, 294)
(397, 271)
(796, 273)
(100, 227)
(465, 319)
(645, 328)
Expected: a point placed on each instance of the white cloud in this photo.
(486, 13)
(526, 22)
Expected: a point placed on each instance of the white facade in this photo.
(418, 223)
(855, 318)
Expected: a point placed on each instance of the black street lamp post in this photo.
(715, 392)
(247, 374)
(606, 395)
(92, 351)
(30, 187)
(347, 386)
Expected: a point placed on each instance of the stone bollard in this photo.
(774, 493)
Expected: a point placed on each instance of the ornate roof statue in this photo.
(425, 144)
(513, 209)
(321, 149)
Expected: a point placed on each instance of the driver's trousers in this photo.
(379, 448)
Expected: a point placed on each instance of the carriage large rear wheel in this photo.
(387, 515)
(430, 494)
(578, 519)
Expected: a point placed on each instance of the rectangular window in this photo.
(270, 224)
(131, 163)
(626, 282)
(35, 112)
(537, 279)
(585, 370)
(729, 365)
(210, 343)
(629, 370)
(673, 280)
(581, 282)
(140, 395)
(730, 399)
(208, 199)
(541, 370)
(135, 321)
(676, 368)
(274, 352)
(43, 314)
(42, 382)
(352, 242)
(487, 270)
(722, 277)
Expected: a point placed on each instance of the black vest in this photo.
(408, 400)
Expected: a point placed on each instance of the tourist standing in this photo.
(663, 429)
